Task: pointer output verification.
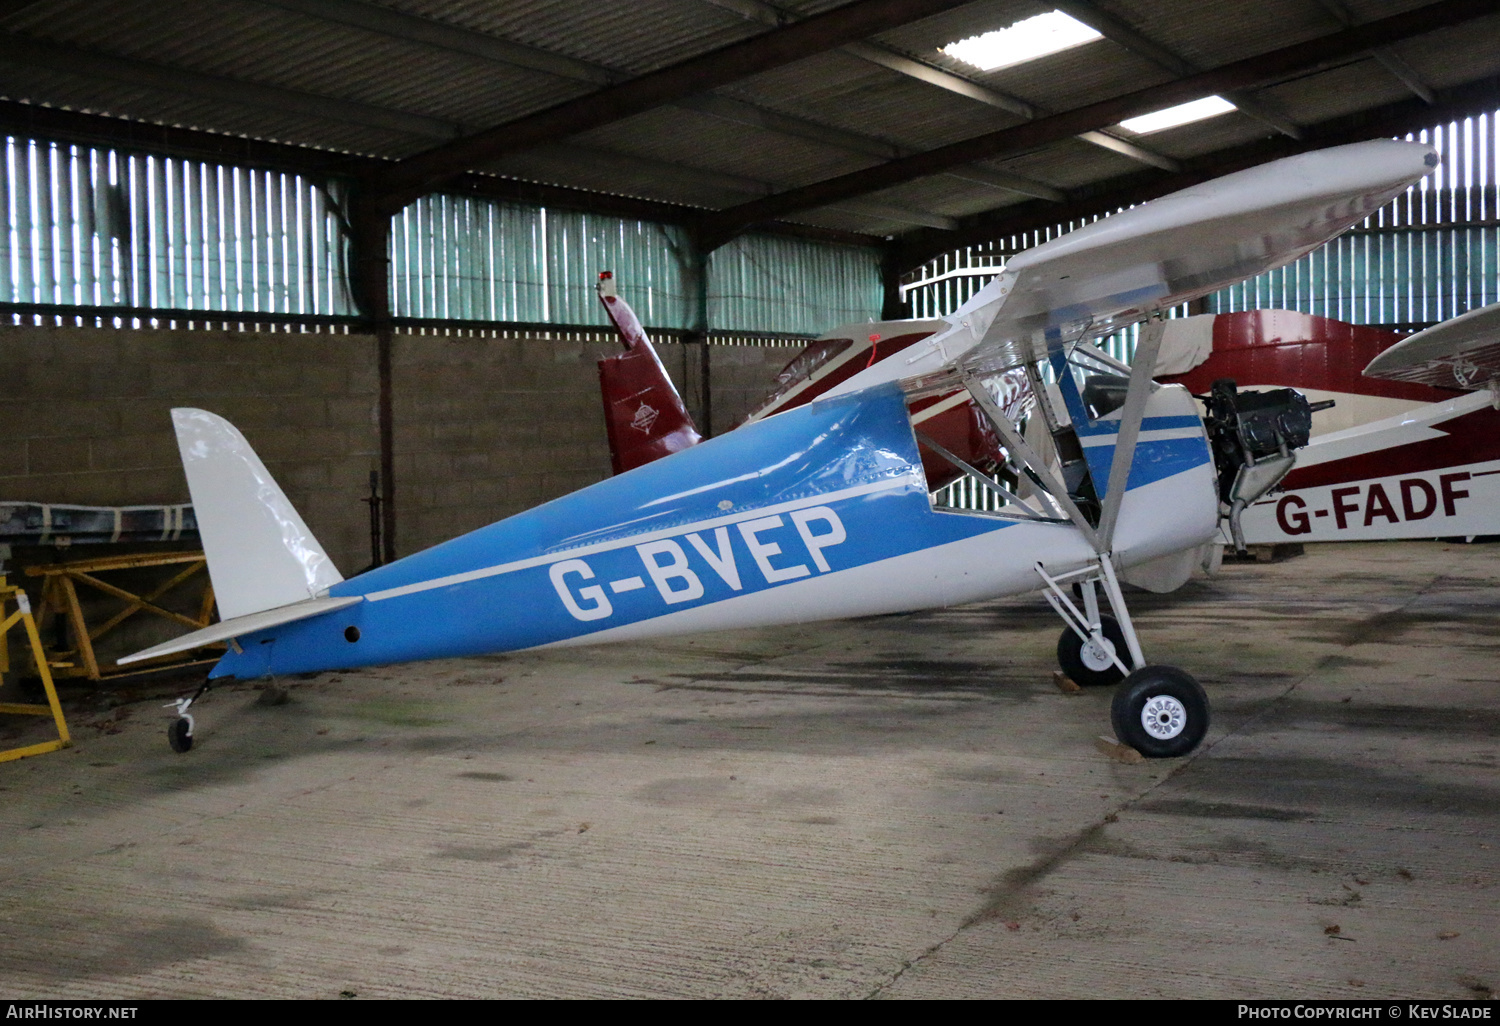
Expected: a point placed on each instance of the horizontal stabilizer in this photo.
(247, 624)
(1460, 353)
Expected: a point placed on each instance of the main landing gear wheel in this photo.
(1160, 711)
(1092, 664)
(180, 735)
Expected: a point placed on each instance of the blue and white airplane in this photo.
(824, 511)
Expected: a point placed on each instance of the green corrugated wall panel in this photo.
(462, 258)
(646, 258)
(90, 226)
(1380, 276)
(468, 259)
(793, 286)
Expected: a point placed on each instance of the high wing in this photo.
(1463, 353)
(1090, 282)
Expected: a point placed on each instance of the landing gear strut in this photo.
(1090, 660)
(1160, 711)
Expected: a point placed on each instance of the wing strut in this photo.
(980, 478)
(1016, 445)
(1141, 369)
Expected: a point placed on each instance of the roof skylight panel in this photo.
(1024, 41)
(1182, 114)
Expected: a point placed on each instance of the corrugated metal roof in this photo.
(1449, 58)
(356, 83)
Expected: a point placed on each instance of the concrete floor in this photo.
(898, 807)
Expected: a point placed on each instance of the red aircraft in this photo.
(646, 418)
(1412, 448)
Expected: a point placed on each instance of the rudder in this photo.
(260, 553)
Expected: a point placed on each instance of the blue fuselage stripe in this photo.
(825, 488)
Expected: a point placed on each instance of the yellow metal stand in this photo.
(53, 707)
(59, 598)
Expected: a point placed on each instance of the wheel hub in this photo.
(1163, 717)
(1098, 653)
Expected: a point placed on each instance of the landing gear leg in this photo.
(1093, 648)
(1160, 711)
(180, 733)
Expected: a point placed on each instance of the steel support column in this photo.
(369, 241)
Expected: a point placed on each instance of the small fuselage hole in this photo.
(351, 634)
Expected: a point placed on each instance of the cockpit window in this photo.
(803, 365)
(1102, 383)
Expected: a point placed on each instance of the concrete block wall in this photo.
(85, 417)
(742, 378)
(484, 427)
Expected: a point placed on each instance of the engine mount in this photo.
(1254, 436)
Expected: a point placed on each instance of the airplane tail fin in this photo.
(645, 417)
(260, 553)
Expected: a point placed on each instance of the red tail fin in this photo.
(643, 413)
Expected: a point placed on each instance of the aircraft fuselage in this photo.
(819, 513)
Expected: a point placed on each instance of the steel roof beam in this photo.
(1395, 119)
(439, 35)
(1383, 54)
(1118, 31)
(773, 49)
(756, 10)
(410, 28)
(963, 87)
(1261, 69)
(142, 73)
(956, 84)
(700, 178)
(29, 120)
(1124, 147)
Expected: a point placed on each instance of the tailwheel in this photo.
(180, 734)
(1094, 662)
(1160, 711)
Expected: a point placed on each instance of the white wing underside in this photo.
(1461, 353)
(1093, 281)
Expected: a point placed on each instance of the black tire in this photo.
(1160, 711)
(1074, 662)
(179, 735)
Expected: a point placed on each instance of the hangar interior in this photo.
(368, 232)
